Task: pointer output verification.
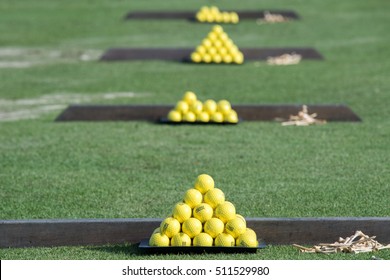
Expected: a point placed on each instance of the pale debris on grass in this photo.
(29, 57)
(31, 108)
(284, 59)
(303, 118)
(272, 18)
(352, 244)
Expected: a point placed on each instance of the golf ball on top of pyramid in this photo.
(204, 218)
(204, 183)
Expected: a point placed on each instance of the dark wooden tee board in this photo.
(304, 231)
(184, 54)
(190, 15)
(154, 113)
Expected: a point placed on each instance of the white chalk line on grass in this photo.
(29, 57)
(31, 108)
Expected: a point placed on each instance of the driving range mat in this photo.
(190, 15)
(154, 113)
(183, 54)
(145, 248)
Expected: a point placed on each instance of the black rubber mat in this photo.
(154, 113)
(183, 54)
(190, 15)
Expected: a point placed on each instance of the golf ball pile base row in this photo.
(204, 218)
(190, 109)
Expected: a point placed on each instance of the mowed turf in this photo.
(138, 169)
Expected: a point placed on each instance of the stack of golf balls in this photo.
(213, 14)
(218, 48)
(190, 109)
(204, 218)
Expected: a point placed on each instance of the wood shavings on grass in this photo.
(357, 243)
(303, 118)
(284, 59)
(272, 18)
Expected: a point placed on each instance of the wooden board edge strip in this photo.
(77, 232)
(331, 112)
(183, 54)
(190, 15)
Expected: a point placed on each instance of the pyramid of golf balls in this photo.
(190, 109)
(218, 48)
(204, 218)
(213, 14)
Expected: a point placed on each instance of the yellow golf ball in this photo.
(210, 106)
(224, 106)
(204, 183)
(235, 227)
(213, 227)
(181, 240)
(196, 107)
(227, 58)
(196, 57)
(189, 97)
(241, 217)
(217, 29)
(182, 107)
(216, 58)
(247, 239)
(203, 117)
(224, 240)
(231, 117)
(170, 226)
(182, 212)
(174, 116)
(201, 50)
(193, 197)
(225, 211)
(206, 58)
(158, 239)
(217, 117)
(214, 197)
(251, 232)
(192, 227)
(189, 117)
(203, 212)
(203, 239)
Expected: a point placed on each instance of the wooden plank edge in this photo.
(183, 54)
(332, 112)
(190, 15)
(276, 231)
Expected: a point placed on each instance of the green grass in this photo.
(126, 251)
(117, 170)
